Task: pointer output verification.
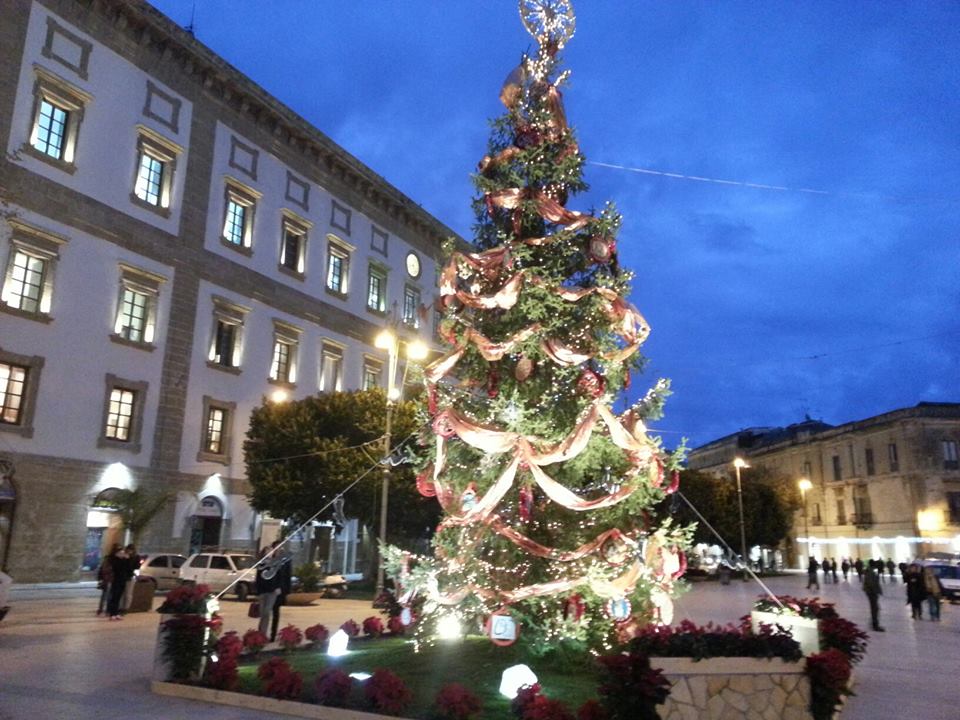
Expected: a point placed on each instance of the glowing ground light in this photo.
(449, 627)
(337, 646)
(361, 676)
(514, 678)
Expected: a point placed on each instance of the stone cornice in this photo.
(149, 28)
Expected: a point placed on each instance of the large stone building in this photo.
(885, 486)
(176, 245)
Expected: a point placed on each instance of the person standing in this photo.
(891, 566)
(931, 583)
(122, 570)
(833, 569)
(871, 586)
(285, 574)
(812, 568)
(916, 592)
(105, 578)
(133, 558)
(858, 566)
(267, 586)
(845, 567)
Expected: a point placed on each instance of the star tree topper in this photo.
(550, 22)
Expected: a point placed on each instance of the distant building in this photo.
(885, 486)
(176, 244)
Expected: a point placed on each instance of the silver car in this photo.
(163, 569)
(220, 571)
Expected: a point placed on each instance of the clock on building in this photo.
(413, 265)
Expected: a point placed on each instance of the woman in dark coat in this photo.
(122, 566)
(916, 592)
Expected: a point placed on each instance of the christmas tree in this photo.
(548, 532)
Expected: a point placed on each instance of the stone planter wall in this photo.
(805, 631)
(734, 689)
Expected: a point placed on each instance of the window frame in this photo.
(893, 457)
(383, 272)
(372, 368)
(948, 447)
(330, 351)
(411, 292)
(288, 336)
(139, 389)
(229, 409)
(28, 399)
(41, 245)
(146, 283)
(337, 248)
(228, 313)
(152, 144)
(246, 197)
(292, 224)
(56, 91)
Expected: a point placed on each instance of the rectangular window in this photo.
(283, 364)
(213, 439)
(13, 385)
(24, 287)
(133, 315)
(892, 457)
(411, 307)
(280, 366)
(950, 455)
(953, 507)
(120, 414)
(868, 456)
(816, 519)
(841, 512)
(137, 306)
(837, 472)
(290, 255)
(226, 340)
(338, 264)
(331, 368)
(28, 279)
(50, 132)
(807, 470)
(234, 227)
(372, 372)
(224, 343)
(240, 203)
(377, 289)
(149, 179)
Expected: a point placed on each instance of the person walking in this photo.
(285, 573)
(916, 592)
(934, 590)
(122, 570)
(267, 586)
(858, 566)
(105, 578)
(833, 569)
(891, 566)
(845, 567)
(133, 558)
(873, 590)
(812, 568)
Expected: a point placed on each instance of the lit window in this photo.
(217, 426)
(377, 289)
(120, 414)
(28, 280)
(157, 160)
(286, 340)
(411, 307)
(50, 132)
(950, 455)
(137, 305)
(13, 383)
(225, 343)
(372, 372)
(331, 368)
(236, 222)
(293, 244)
(58, 110)
(238, 217)
(214, 438)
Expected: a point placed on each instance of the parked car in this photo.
(219, 571)
(162, 568)
(949, 575)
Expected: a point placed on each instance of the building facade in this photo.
(176, 246)
(887, 486)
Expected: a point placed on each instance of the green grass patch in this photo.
(474, 662)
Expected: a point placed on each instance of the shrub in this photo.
(632, 689)
(387, 692)
(592, 710)
(530, 704)
(308, 577)
(333, 687)
(699, 642)
(185, 644)
(186, 599)
(829, 674)
(254, 640)
(395, 626)
(373, 626)
(317, 634)
(279, 680)
(843, 635)
(229, 645)
(289, 637)
(455, 702)
(223, 673)
(351, 628)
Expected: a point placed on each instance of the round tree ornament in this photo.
(406, 616)
(502, 628)
(619, 609)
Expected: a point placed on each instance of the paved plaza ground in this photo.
(58, 660)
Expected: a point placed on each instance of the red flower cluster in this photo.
(279, 680)
(387, 692)
(633, 688)
(530, 704)
(333, 687)
(396, 626)
(289, 637)
(351, 628)
(845, 636)
(222, 673)
(317, 634)
(373, 626)
(829, 672)
(254, 640)
(185, 599)
(592, 710)
(455, 702)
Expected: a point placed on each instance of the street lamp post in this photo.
(416, 350)
(739, 463)
(805, 485)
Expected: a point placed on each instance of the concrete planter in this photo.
(162, 670)
(303, 598)
(264, 704)
(805, 631)
(735, 687)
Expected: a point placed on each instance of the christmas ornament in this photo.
(674, 483)
(527, 136)
(524, 369)
(591, 383)
(512, 89)
(493, 384)
(502, 628)
(615, 550)
(548, 21)
(619, 609)
(526, 504)
(601, 249)
(406, 616)
(468, 500)
(425, 484)
(573, 608)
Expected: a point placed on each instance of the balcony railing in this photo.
(862, 520)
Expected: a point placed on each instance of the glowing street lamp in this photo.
(415, 350)
(739, 463)
(805, 485)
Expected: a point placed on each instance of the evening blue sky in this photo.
(766, 305)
